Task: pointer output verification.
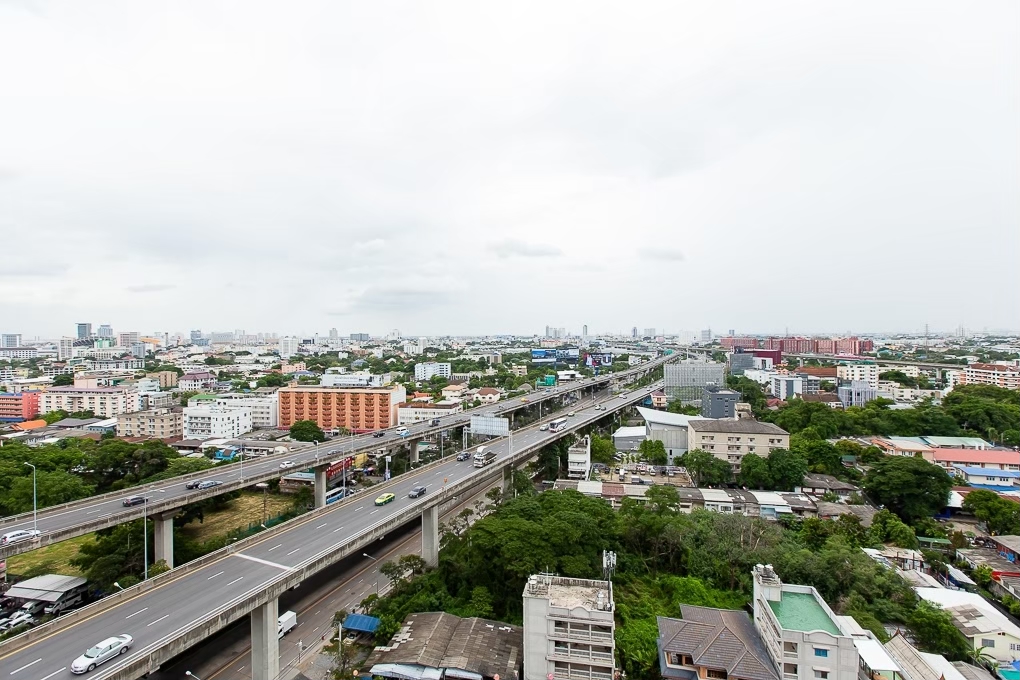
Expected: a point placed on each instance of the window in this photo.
(716, 675)
(824, 653)
(985, 642)
(821, 675)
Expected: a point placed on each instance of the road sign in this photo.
(493, 426)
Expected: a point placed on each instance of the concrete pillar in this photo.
(508, 479)
(320, 486)
(414, 450)
(164, 524)
(265, 645)
(430, 535)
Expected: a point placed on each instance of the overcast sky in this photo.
(482, 167)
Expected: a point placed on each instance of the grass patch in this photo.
(56, 558)
(241, 513)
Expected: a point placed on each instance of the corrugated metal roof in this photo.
(361, 622)
(46, 588)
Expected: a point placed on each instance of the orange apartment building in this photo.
(19, 407)
(360, 409)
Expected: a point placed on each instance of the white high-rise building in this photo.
(65, 348)
(264, 406)
(216, 422)
(10, 340)
(128, 338)
(289, 346)
(427, 370)
(859, 372)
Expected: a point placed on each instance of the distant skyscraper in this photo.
(127, 339)
(649, 332)
(706, 336)
(360, 337)
(333, 335)
(289, 346)
(196, 336)
(84, 331)
(732, 333)
(8, 340)
(633, 332)
(65, 348)
(584, 332)
(105, 331)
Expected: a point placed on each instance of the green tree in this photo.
(786, 469)
(705, 469)
(935, 633)
(307, 431)
(910, 487)
(602, 449)
(653, 451)
(680, 407)
(53, 488)
(886, 527)
(754, 472)
(272, 380)
(1000, 515)
(63, 380)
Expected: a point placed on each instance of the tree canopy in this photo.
(911, 487)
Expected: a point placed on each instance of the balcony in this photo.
(580, 634)
(588, 656)
(580, 675)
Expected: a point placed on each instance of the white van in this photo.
(68, 601)
(286, 623)
(401, 430)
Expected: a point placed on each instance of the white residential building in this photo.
(568, 629)
(860, 371)
(579, 459)
(356, 379)
(10, 340)
(984, 626)
(800, 632)
(427, 370)
(418, 412)
(787, 386)
(191, 382)
(65, 348)
(992, 374)
(289, 346)
(204, 422)
(265, 407)
(105, 402)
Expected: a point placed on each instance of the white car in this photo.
(19, 535)
(101, 653)
(286, 464)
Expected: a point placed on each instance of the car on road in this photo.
(543, 427)
(571, 414)
(417, 492)
(193, 484)
(287, 464)
(380, 433)
(463, 455)
(134, 500)
(524, 400)
(401, 431)
(209, 483)
(101, 653)
(384, 499)
(19, 535)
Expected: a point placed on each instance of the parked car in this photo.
(104, 651)
(384, 499)
(134, 500)
(417, 492)
(19, 535)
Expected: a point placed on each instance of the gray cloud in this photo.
(515, 248)
(663, 254)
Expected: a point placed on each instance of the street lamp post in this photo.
(35, 500)
(145, 538)
(377, 573)
(192, 675)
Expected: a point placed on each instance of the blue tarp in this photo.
(361, 623)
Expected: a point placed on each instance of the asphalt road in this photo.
(80, 514)
(158, 615)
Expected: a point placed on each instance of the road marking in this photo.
(165, 616)
(293, 551)
(374, 511)
(92, 512)
(27, 665)
(322, 525)
(337, 529)
(214, 576)
(235, 580)
(261, 561)
(137, 612)
(274, 547)
(54, 673)
(357, 509)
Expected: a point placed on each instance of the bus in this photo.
(557, 425)
(334, 495)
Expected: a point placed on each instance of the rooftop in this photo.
(996, 456)
(988, 472)
(742, 426)
(570, 593)
(666, 418)
(716, 638)
(801, 611)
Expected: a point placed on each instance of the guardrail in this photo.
(181, 639)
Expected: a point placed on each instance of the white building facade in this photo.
(265, 408)
(859, 372)
(105, 402)
(427, 370)
(205, 422)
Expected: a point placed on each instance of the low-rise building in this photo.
(979, 476)
(18, 407)
(265, 406)
(718, 402)
(856, 393)
(204, 422)
(859, 371)
(731, 440)
(992, 374)
(455, 390)
(659, 399)
(161, 423)
(712, 643)
(994, 459)
(984, 626)
(819, 485)
(568, 629)
(167, 379)
(197, 381)
(488, 395)
(103, 401)
(420, 411)
(579, 459)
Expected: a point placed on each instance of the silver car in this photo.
(101, 653)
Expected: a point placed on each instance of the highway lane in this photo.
(172, 492)
(155, 616)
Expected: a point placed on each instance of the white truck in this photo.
(286, 623)
(483, 457)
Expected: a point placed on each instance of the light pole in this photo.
(35, 500)
(145, 538)
(192, 675)
(118, 585)
(377, 573)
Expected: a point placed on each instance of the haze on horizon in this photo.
(463, 168)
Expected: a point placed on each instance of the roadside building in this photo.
(163, 423)
(264, 405)
(579, 459)
(685, 380)
(360, 409)
(204, 422)
(659, 399)
(488, 395)
(708, 643)
(568, 628)
(18, 407)
(718, 402)
(731, 440)
(420, 411)
(103, 401)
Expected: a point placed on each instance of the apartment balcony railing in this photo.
(582, 655)
(575, 634)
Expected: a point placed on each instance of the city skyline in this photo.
(688, 165)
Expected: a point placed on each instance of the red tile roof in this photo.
(996, 457)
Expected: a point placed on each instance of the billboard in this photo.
(594, 360)
(338, 467)
(490, 425)
(548, 356)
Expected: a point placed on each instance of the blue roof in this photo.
(361, 622)
(989, 472)
(993, 487)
